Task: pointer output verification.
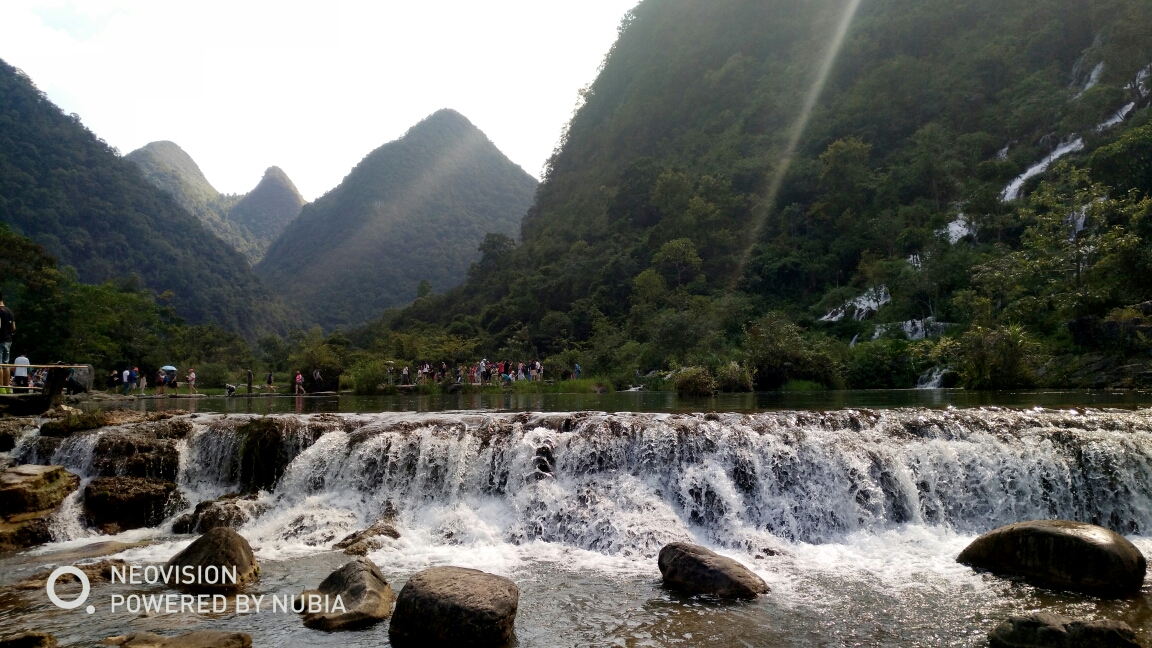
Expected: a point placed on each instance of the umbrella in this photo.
(167, 368)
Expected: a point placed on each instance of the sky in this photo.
(311, 87)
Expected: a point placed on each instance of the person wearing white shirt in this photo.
(20, 375)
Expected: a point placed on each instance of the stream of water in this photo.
(853, 517)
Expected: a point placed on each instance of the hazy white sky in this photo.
(309, 86)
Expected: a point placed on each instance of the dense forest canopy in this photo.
(94, 211)
(915, 205)
(411, 211)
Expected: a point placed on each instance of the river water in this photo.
(853, 517)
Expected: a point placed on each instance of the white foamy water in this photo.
(853, 517)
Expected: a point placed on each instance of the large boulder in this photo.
(223, 548)
(1061, 555)
(115, 504)
(454, 606)
(696, 570)
(368, 540)
(1047, 630)
(28, 488)
(29, 640)
(195, 639)
(230, 511)
(366, 598)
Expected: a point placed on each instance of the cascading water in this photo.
(844, 513)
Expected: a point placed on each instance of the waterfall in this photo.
(625, 484)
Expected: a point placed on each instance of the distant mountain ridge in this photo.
(414, 209)
(248, 223)
(69, 191)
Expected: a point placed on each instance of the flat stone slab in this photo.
(29, 488)
(1061, 555)
(196, 639)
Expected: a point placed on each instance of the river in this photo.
(853, 516)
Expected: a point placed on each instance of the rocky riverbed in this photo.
(852, 520)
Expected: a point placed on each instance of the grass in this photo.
(802, 386)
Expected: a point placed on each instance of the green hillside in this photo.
(249, 223)
(72, 193)
(660, 237)
(265, 211)
(413, 210)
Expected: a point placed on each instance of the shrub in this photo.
(779, 352)
(1003, 357)
(694, 381)
(733, 378)
(211, 375)
(883, 364)
(369, 376)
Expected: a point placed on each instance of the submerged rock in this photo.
(223, 548)
(27, 488)
(29, 640)
(454, 606)
(1061, 555)
(115, 504)
(366, 598)
(196, 639)
(696, 570)
(1047, 630)
(368, 540)
(230, 512)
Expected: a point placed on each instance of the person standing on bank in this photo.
(7, 332)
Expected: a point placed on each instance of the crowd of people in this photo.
(503, 372)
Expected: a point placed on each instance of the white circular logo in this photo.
(51, 587)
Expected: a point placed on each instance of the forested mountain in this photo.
(249, 223)
(72, 193)
(412, 211)
(941, 183)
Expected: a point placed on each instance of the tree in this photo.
(679, 257)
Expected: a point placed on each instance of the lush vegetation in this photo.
(72, 193)
(658, 242)
(412, 211)
(248, 223)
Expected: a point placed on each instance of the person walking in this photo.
(143, 383)
(576, 372)
(317, 381)
(161, 382)
(249, 382)
(125, 380)
(299, 383)
(7, 333)
(192, 381)
(270, 382)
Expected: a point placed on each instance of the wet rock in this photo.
(125, 453)
(1047, 630)
(11, 430)
(454, 606)
(96, 572)
(364, 594)
(27, 488)
(365, 542)
(196, 639)
(231, 512)
(24, 530)
(29, 640)
(72, 423)
(223, 548)
(696, 570)
(1061, 555)
(115, 504)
